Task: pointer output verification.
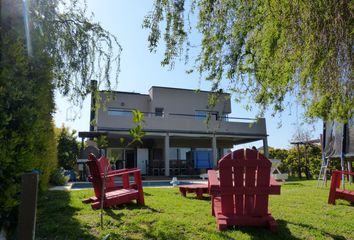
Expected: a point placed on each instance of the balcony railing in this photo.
(128, 113)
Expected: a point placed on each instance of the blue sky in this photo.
(141, 69)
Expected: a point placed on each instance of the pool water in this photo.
(82, 185)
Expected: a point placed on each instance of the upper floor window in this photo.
(120, 112)
(159, 112)
(202, 115)
(225, 117)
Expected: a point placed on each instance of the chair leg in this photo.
(273, 225)
(222, 225)
(199, 193)
(212, 206)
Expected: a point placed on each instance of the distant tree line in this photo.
(300, 162)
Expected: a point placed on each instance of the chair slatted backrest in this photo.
(94, 167)
(244, 183)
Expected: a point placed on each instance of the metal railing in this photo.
(119, 112)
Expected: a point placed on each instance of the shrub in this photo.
(68, 148)
(58, 178)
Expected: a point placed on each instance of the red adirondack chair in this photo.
(113, 194)
(103, 163)
(336, 192)
(240, 193)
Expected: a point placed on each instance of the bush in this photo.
(26, 106)
(57, 178)
(68, 148)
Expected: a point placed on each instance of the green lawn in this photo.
(301, 211)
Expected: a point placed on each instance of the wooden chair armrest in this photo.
(120, 172)
(343, 172)
(213, 182)
(274, 186)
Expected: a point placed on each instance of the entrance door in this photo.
(142, 159)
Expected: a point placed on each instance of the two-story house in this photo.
(183, 135)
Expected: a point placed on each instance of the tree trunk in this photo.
(299, 161)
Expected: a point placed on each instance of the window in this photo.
(159, 112)
(225, 117)
(173, 154)
(119, 112)
(200, 115)
(183, 153)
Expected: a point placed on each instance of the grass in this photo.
(301, 211)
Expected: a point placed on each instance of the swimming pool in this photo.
(153, 183)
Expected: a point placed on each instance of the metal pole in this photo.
(342, 156)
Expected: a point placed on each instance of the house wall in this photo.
(175, 101)
(183, 124)
(183, 101)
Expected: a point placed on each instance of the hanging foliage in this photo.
(268, 50)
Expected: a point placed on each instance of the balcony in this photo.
(182, 123)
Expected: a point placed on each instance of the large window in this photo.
(179, 153)
(120, 112)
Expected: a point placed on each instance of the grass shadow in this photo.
(147, 194)
(116, 216)
(324, 233)
(131, 206)
(205, 198)
(260, 233)
(56, 217)
(293, 184)
(297, 179)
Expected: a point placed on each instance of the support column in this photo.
(215, 152)
(167, 155)
(265, 147)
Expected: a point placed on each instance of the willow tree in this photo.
(266, 49)
(45, 46)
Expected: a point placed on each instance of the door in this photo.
(130, 158)
(142, 159)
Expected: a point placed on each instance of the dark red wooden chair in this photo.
(336, 192)
(113, 194)
(103, 163)
(240, 190)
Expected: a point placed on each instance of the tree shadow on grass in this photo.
(260, 233)
(297, 179)
(133, 205)
(194, 197)
(55, 218)
(147, 194)
(323, 233)
(294, 184)
(283, 232)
